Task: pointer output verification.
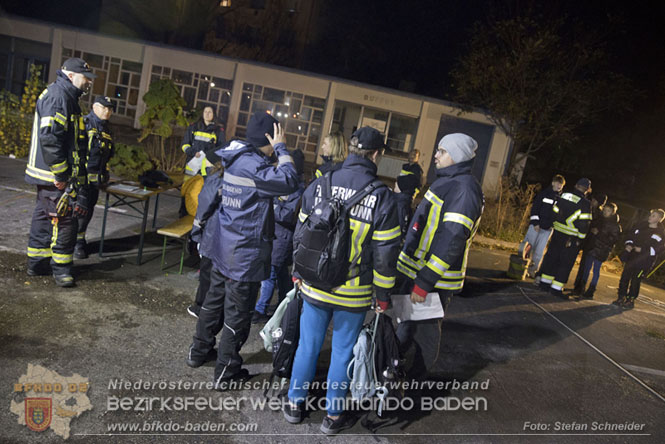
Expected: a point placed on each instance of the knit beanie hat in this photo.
(259, 124)
(460, 146)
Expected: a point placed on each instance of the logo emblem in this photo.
(38, 413)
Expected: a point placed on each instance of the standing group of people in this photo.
(563, 223)
(250, 221)
(68, 162)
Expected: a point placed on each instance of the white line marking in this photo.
(596, 349)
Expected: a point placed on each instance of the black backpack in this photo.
(285, 341)
(322, 257)
(387, 359)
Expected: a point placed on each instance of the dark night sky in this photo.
(390, 42)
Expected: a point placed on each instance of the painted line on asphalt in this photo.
(21, 190)
(593, 347)
(650, 371)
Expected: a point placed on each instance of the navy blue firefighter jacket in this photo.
(437, 243)
(245, 221)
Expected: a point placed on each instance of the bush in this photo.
(129, 161)
(17, 116)
(506, 215)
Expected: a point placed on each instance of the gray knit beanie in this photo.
(460, 146)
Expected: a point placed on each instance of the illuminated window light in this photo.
(212, 83)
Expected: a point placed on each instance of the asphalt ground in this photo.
(551, 370)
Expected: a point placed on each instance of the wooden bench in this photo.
(177, 230)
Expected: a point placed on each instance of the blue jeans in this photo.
(588, 264)
(279, 276)
(314, 322)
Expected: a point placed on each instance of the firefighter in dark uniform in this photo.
(56, 165)
(375, 240)
(408, 185)
(203, 137)
(100, 151)
(571, 224)
(434, 256)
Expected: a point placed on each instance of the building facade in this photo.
(309, 105)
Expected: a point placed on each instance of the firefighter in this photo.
(100, 151)
(203, 138)
(643, 245)
(571, 223)
(433, 259)
(540, 223)
(407, 187)
(375, 239)
(241, 230)
(56, 165)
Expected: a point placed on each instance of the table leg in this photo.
(146, 209)
(154, 216)
(106, 210)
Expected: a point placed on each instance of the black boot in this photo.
(578, 290)
(620, 300)
(588, 294)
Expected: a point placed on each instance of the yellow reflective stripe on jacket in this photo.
(408, 261)
(203, 136)
(405, 270)
(317, 173)
(384, 235)
(331, 298)
(39, 173)
(61, 119)
(359, 232)
(437, 265)
(443, 285)
(585, 216)
(204, 165)
(459, 218)
(106, 136)
(302, 216)
(432, 225)
(39, 252)
(433, 198)
(383, 281)
(46, 121)
(185, 146)
(93, 177)
(405, 173)
(59, 167)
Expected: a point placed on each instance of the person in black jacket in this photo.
(333, 153)
(407, 187)
(540, 223)
(433, 260)
(203, 138)
(57, 161)
(100, 151)
(605, 232)
(644, 244)
(597, 203)
(286, 215)
(571, 224)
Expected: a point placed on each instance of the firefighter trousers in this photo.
(84, 221)
(52, 238)
(559, 260)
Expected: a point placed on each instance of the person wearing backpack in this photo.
(369, 262)
(242, 230)
(434, 256)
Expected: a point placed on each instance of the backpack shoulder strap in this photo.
(326, 186)
(360, 195)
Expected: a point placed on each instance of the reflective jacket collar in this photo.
(577, 192)
(63, 82)
(354, 161)
(455, 169)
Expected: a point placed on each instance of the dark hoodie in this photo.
(602, 243)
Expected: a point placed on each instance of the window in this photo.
(399, 130)
(201, 90)
(119, 79)
(301, 118)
